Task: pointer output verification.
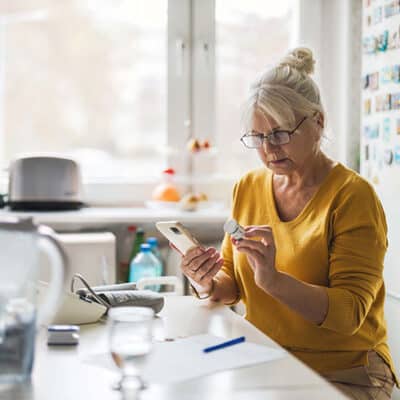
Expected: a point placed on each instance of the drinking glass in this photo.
(130, 341)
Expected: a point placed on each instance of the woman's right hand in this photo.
(200, 265)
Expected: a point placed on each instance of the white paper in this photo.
(183, 359)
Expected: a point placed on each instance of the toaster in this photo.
(44, 183)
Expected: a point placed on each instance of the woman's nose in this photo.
(268, 147)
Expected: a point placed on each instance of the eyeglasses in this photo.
(253, 140)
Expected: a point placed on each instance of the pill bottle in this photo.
(234, 229)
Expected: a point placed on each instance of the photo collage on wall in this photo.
(380, 122)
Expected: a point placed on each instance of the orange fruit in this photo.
(166, 192)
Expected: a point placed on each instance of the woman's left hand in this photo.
(260, 254)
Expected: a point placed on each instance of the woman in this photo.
(309, 269)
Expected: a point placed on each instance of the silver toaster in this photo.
(44, 183)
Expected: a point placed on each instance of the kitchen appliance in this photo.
(44, 183)
(22, 241)
(380, 140)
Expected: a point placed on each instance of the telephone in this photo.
(178, 235)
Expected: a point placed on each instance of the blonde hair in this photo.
(286, 91)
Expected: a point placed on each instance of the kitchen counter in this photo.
(80, 372)
(96, 217)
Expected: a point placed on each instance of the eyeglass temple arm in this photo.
(298, 125)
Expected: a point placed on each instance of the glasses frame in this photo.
(269, 137)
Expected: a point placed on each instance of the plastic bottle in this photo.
(144, 265)
(166, 190)
(124, 251)
(153, 242)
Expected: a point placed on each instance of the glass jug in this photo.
(21, 242)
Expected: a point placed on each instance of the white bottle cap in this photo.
(230, 226)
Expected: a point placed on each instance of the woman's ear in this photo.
(319, 119)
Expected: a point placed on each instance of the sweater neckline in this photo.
(309, 204)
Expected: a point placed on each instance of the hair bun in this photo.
(301, 59)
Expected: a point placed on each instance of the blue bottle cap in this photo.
(145, 248)
(152, 241)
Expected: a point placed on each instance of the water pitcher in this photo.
(21, 242)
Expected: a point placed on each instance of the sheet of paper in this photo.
(184, 359)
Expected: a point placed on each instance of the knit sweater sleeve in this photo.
(357, 250)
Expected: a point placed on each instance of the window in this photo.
(88, 79)
(250, 35)
(123, 85)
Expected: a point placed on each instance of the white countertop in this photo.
(62, 373)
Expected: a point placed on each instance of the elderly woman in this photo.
(309, 269)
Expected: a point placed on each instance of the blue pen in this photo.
(225, 344)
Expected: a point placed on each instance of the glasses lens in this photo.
(279, 137)
(252, 141)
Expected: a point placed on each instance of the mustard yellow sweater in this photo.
(338, 241)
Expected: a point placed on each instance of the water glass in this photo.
(130, 342)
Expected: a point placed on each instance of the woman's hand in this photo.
(260, 254)
(200, 265)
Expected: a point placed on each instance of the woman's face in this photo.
(293, 156)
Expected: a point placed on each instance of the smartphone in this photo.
(178, 235)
